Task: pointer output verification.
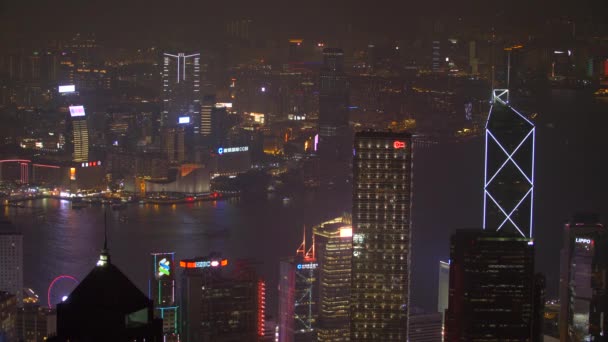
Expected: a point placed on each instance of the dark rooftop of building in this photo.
(106, 287)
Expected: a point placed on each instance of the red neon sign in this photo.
(399, 144)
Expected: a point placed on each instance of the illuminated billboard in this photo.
(203, 263)
(224, 150)
(72, 173)
(76, 111)
(223, 105)
(184, 120)
(67, 88)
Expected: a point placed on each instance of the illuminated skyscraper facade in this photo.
(162, 292)
(80, 134)
(181, 77)
(492, 287)
(335, 144)
(509, 168)
(298, 296)
(382, 168)
(333, 247)
(583, 284)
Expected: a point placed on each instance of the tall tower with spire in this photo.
(298, 295)
(509, 168)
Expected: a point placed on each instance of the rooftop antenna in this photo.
(105, 230)
(302, 249)
(104, 257)
(310, 254)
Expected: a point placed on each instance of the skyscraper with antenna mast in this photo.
(298, 294)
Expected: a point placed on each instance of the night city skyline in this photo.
(439, 164)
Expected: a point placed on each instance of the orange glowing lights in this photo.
(346, 232)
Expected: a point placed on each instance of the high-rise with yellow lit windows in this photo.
(382, 168)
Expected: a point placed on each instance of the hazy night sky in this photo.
(123, 21)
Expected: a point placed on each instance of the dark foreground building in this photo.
(492, 288)
(107, 306)
(8, 313)
(221, 308)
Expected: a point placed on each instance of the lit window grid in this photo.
(382, 219)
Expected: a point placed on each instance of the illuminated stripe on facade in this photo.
(502, 186)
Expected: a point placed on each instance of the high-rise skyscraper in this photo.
(335, 144)
(181, 79)
(492, 287)
(216, 307)
(80, 134)
(203, 125)
(11, 261)
(443, 292)
(382, 188)
(509, 168)
(333, 248)
(583, 286)
(298, 296)
(174, 144)
(162, 292)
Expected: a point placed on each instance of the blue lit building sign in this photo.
(310, 266)
(223, 150)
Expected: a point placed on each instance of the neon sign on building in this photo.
(223, 150)
(399, 144)
(584, 241)
(164, 267)
(203, 263)
(310, 266)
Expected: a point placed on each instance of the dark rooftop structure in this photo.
(107, 306)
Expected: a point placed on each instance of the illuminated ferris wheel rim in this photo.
(63, 276)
